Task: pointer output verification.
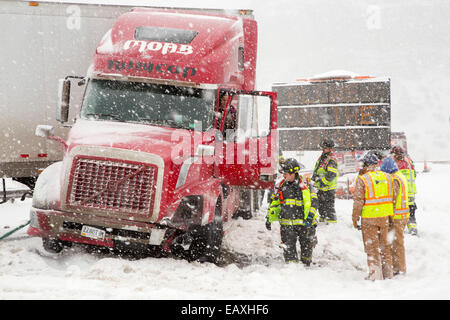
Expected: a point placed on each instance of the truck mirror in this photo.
(62, 114)
(44, 131)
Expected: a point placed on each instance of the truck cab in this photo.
(169, 140)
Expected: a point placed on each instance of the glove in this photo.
(268, 224)
(356, 225)
(309, 221)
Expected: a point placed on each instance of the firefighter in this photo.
(276, 182)
(373, 204)
(325, 177)
(294, 207)
(406, 167)
(400, 218)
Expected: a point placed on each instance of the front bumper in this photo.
(67, 226)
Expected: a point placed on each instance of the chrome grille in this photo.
(112, 185)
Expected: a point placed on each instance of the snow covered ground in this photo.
(255, 269)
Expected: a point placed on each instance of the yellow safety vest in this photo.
(401, 210)
(321, 169)
(279, 201)
(410, 176)
(378, 195)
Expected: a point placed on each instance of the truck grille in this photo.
(107, 185)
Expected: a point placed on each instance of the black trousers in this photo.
(307, 239)
(326, 205)
(412, 213)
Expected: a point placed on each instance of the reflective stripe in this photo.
(378, 201)
(306, 258)
(332, 169)
(401, 216)
(288, 222)
(401, 206)
(293, 202)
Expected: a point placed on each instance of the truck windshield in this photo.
(161, 105)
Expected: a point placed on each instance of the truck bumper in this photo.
(68, 226)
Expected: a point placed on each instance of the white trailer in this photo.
(41, 43)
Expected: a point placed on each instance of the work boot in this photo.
(331, 218)
(412, 229)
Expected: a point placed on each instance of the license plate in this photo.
(93, 233)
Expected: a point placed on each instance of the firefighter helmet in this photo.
(327, 143)
(290, 166)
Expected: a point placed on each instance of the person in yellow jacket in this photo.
(400, 218)
(373, 203)
(294, 207)
(325, 176)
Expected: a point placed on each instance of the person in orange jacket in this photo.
(373, 203)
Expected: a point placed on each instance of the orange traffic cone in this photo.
(425, 166)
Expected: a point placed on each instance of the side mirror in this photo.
(62, 114)
(44, 131)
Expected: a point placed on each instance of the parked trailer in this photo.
(41, 43)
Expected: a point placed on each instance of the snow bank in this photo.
(255, 268)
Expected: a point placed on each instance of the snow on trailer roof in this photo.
(334, 75)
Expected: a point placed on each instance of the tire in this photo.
(52, 245)
(208, 241)
(244, 214)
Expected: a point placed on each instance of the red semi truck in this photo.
(170, 141)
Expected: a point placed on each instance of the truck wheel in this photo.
(206, 246)
(52, 245)
(244, 214)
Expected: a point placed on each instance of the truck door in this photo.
(245, 146)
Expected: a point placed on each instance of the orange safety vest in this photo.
(378, 195)
(401, 210)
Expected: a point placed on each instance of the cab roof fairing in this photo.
(211, 57)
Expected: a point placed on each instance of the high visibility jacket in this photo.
(326, 171)
(378, 200)
(406, 167)
(293, 203)
(401, 210)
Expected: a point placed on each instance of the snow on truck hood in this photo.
(151, 139)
